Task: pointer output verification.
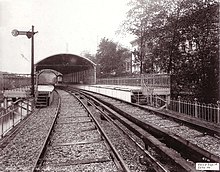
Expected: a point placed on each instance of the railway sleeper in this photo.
(171, 140)
(77, 162)
(158, 132)
(148, 139)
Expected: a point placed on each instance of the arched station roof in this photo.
(49, 71)
(65, 63)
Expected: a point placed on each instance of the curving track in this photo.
(191, 144)
(76, 143)
(95, 133)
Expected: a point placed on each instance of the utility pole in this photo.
(29, 35)
(32, 62)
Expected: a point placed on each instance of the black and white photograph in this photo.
(109, 86)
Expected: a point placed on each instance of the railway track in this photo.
(165, 136)
(131, 152)
(105, 135)
(76, 142)
(20, 148)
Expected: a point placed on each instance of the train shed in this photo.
(65, 68)
(74, 69)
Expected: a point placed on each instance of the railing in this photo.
(1, 87)
(152, 80)
(15, 113)
(207, 112)
(120, 81)
(155, 101)
(157, 80)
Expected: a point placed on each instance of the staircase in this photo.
(42, 99)
(138, 97)
(150, 100)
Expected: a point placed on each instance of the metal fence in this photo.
(207, 112)
(155, 101)
(152, 80)
(120, 81)
(1, 86)
(15, 113)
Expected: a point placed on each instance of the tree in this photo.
(122, 55)
(110, 58)
(147, 21)
(89, 56)
(182, 38)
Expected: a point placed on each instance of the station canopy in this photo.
(65, 63)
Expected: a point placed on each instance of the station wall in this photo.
(81, 77)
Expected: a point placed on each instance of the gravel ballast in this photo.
(21, 152)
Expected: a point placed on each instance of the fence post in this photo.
(11, 111)
(27, 109)
(218, 113)
(21, 111)
(151, 100)
(13, 120)
(32, 105)
(196, 107)
(5, 103)
(179, 103)
(166, 102)
(2, 120)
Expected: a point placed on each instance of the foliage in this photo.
(110, 58)
(180, 38)
(89, 56)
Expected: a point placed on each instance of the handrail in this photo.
(206, 112)
(14, 114)
(156, 80)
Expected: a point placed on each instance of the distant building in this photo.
(188, 46)
(128, 67)
(148, 62)
(135, 62)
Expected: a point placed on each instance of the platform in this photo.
(145, 90)
(116, 91)
(119, 87)
(45, 88)
(17, 93)
(125, 92)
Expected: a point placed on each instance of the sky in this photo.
(64, 26)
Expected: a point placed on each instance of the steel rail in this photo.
(117, 155)
(200, 152)
(39, 159)
(151, 159)
(210, 128)
(146, 137)
(172, 138)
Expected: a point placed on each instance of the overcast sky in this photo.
(64, 26)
